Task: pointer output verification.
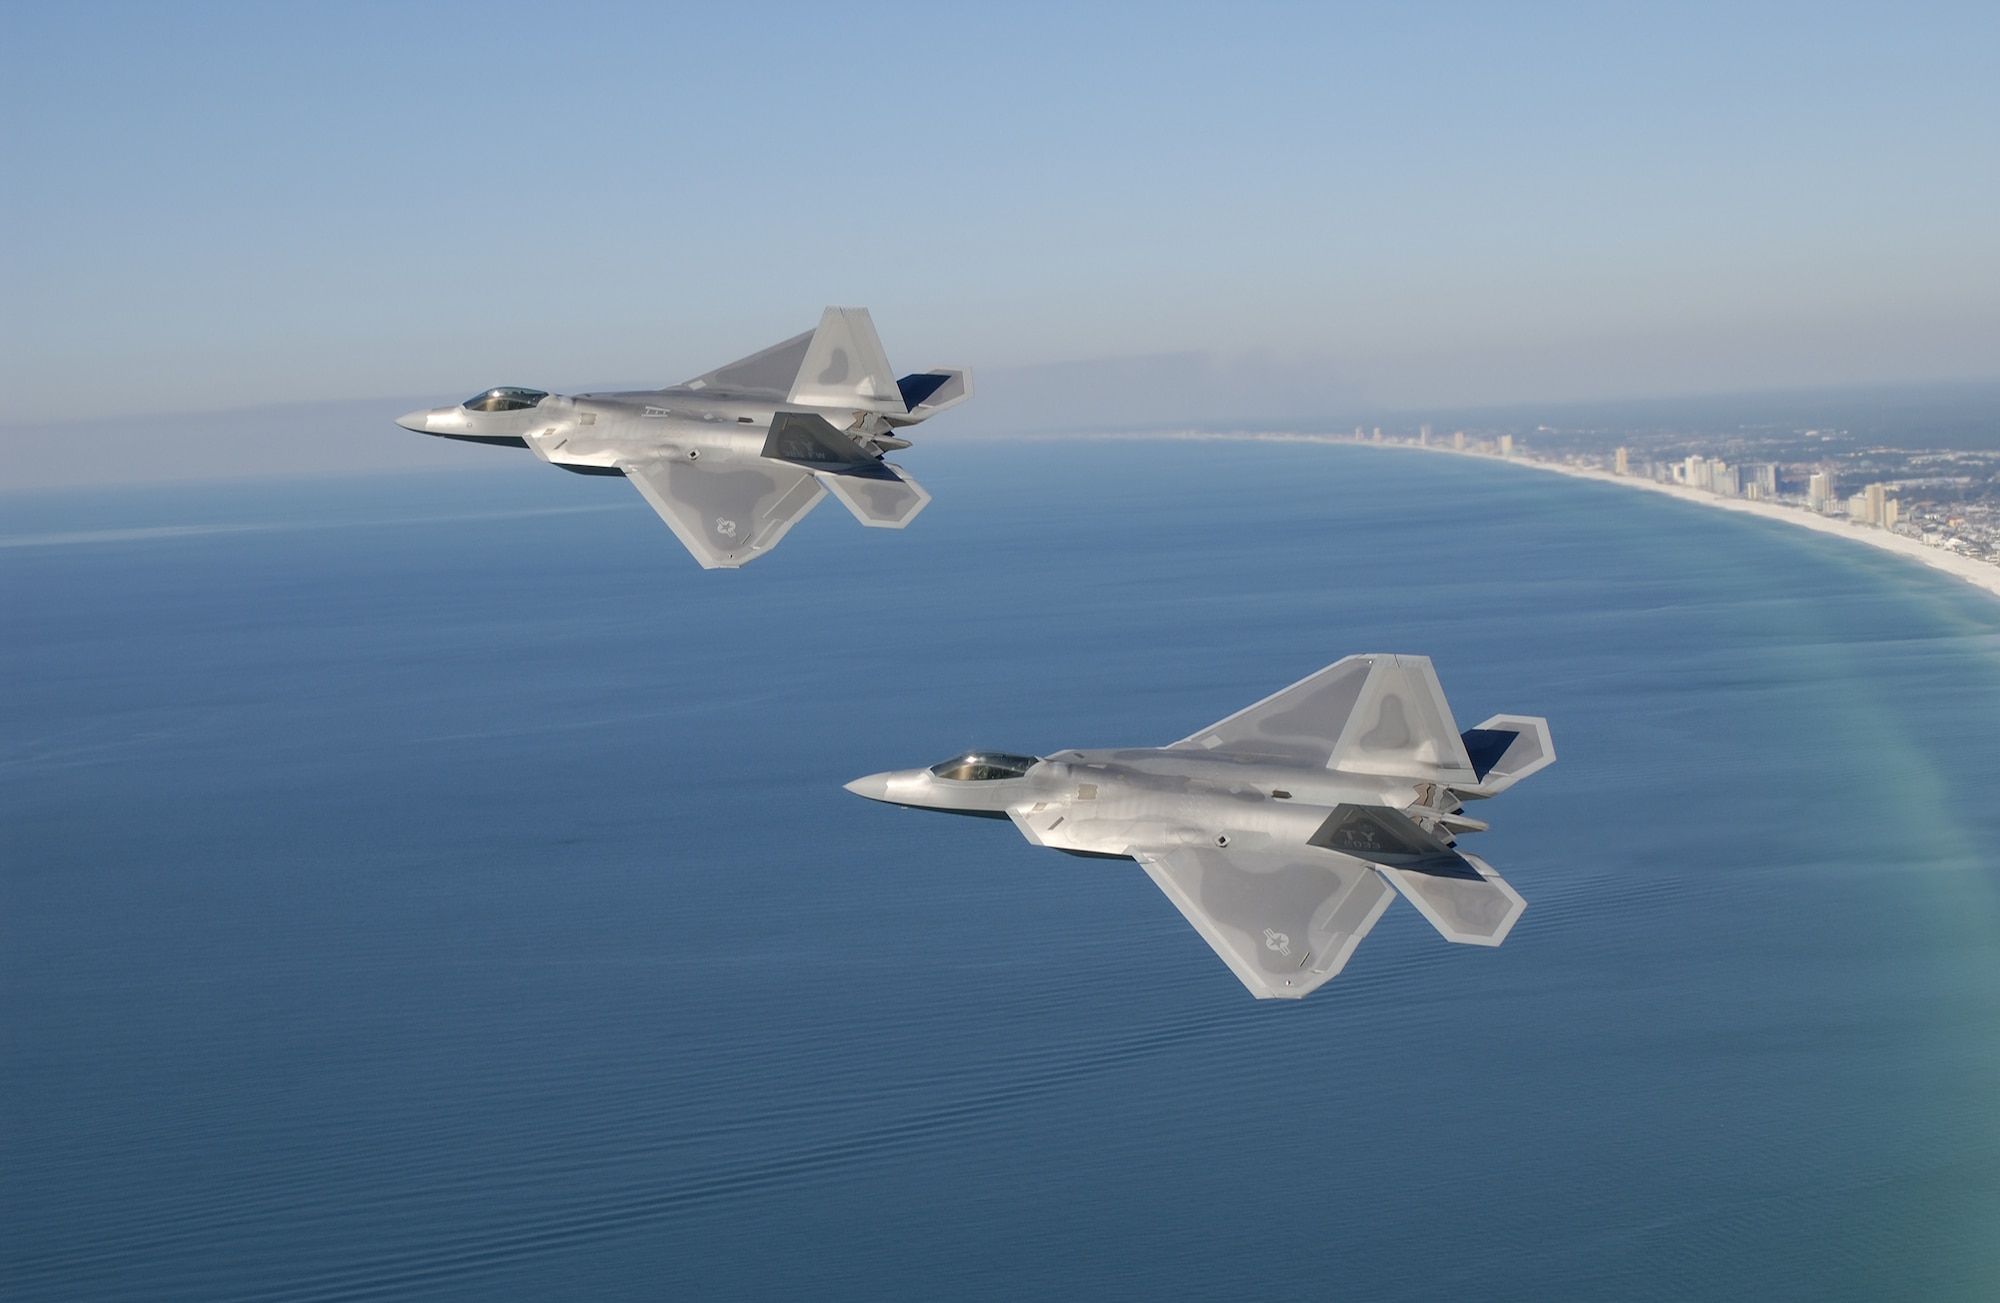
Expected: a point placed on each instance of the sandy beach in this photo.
(1980, 574)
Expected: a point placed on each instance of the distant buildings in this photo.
(1717, 476)
(1759, 483)
(1950, 498)
(1874, 506)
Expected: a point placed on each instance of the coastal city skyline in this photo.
(1937, 506)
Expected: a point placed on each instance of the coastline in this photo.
(1979, 574)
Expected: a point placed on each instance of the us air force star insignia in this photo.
(1279, 942)
(726, 528)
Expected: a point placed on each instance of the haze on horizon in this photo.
(225, 205)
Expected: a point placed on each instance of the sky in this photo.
(220, 205)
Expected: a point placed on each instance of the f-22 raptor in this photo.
(735, 457)
(1283, 832)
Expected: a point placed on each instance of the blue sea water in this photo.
(440, 888)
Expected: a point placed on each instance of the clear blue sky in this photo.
(219, 204)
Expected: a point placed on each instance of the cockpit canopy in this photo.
(505, 400)
(984, 766)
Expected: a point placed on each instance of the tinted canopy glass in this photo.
(505, 400)
(984, 766)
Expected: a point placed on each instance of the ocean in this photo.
(440, 888)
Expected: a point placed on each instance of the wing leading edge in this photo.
(767, 373)
(1377, 714)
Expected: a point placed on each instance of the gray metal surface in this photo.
(1284, 924)
(733, 458)
(727, 510)
(1284, 831)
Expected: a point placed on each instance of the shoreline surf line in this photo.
(1980, 574)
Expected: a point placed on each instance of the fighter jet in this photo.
(1283, 832)
(736, 456)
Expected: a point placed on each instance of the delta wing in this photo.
(730, 513)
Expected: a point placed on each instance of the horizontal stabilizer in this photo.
(929, 392)
(1504, 750)
(810, 439)
(1285, 923)
(881, 496)
(1477, 911)
(845, 367)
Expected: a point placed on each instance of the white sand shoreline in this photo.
(1980, 574)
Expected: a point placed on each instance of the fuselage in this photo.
(593, 433)
(1105, 802)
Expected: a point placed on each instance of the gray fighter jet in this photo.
(1283, 832)
(734, 458)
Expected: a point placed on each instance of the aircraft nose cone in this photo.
(875, 787)
(418, 421)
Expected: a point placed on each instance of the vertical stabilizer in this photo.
(1401, 725)
(845, 367)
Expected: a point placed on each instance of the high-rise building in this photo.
(1621, 462)
(1506, 445)
(1723, 479)
(1378, 434)
(1891, 512)
(1819, 490)
(1458, 440)
(1874, 495)
(1765, 477)
(1423, 436)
